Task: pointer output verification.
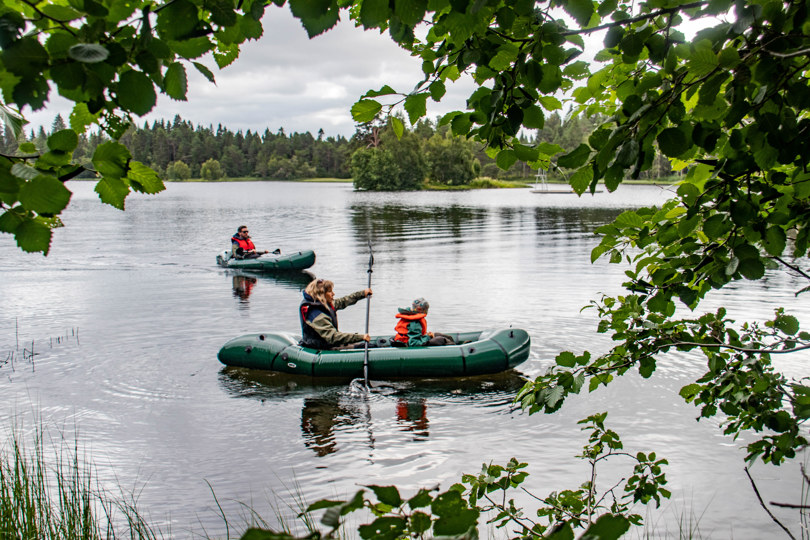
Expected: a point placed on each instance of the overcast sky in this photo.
(287, 80)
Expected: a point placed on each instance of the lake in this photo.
(128, 311)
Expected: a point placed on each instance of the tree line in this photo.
(374, 157)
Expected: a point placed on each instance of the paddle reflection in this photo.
(332, 407)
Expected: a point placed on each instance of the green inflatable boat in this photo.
(298, 260)
(478, 353)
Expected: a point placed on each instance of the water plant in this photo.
(49, 492)
(456, 513)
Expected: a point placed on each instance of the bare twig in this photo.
(791, 266)
(762, 503)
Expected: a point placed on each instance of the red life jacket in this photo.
(402, 325)
(246, 244)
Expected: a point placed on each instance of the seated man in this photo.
(242, 246)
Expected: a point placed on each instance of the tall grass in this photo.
(60, 501)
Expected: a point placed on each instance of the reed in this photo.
(61, 501)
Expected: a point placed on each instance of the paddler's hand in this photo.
(266, 251)
(366, 337)
(367, 292)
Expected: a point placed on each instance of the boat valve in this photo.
(261, 337)
(248, 349)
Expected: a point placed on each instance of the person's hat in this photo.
(420, 305)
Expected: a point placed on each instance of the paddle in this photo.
(368, 310)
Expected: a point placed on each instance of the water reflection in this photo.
(331, 406)
(243, 286)
(398, 223)
(244, 281)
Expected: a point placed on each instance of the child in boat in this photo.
(412, 330)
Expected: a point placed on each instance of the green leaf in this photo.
(416, 105)
(33, 236)
(195, 47)
(65, 140)
(384, 91)
(323, 503)
(672, 142)
(506, 158)
(112, 191)
(580, 10)
(89, 53)
(260, 534)
(561, 532)
(787, 324)
(576, 158)
(420, 522)
(317, 16)
(607, 527)
(456, 524)
(176, 20)
(398, 127)
(410, 12)
(365, 110)
(81, 117)
(775, 240)
(60, 13)
(581, 180)
(383, 528)
(533, 117)
(689, 391)
(25, 57)
(703, 59)
(175, 82)
(205, 71)
(752, 268)
(551, 79)
(374, 13)
(387, 495)
(44, 195)
(12, 120)
(461, 124)
(110, 159)
(437, 90)
(144, 179)
(135, 92)
(566, 359)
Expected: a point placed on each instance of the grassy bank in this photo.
(53, 495)
(478, 183)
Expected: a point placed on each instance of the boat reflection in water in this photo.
(244, 281)
(333, 405)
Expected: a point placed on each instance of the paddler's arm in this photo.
(351, 299)
(324, 327)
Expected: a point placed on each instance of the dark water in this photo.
(128, 311)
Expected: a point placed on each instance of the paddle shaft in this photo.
(368, 312)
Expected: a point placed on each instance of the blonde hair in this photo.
(318, 288)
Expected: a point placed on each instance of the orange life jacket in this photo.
(402, 325)
(246, 244)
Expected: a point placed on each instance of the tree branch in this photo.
(793, 54)
(756, 491)
(792, 267)
(635, 19)
(734, 348)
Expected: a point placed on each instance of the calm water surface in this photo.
(128, 311)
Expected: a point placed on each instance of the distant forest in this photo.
(179, 150)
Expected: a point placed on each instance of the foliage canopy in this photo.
(730, 106)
